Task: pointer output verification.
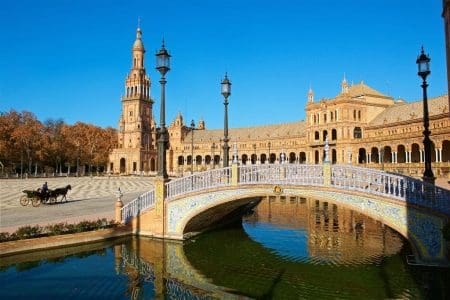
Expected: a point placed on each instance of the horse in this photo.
(62, 192)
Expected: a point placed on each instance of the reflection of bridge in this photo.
(191, 204)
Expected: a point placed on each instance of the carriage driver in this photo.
(44, 189)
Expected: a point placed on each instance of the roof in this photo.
(250, 133)
(363, 89)
(403, 111)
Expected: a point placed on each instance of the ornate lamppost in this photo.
(213, 146)
(192, 146)
(163, 66)
(423, 63)
(226, 92)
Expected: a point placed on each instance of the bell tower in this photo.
(136, 145)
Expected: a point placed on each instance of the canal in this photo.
(285, 248)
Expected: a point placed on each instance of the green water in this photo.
(298, 249)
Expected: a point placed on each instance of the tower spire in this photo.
(344, 86)
(310, 95)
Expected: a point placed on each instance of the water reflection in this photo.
(286, 249)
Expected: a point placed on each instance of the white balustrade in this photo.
(138, 205)
(345, 177)
(404, 188)
(198, 182)
(288, 174)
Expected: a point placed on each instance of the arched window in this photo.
(135, 62)
(316, 135)
(359, 115)
(333, 134)
(354, 114)
(357, 133)
(331, 116)
(324, 134)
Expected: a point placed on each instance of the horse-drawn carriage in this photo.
(44, 196)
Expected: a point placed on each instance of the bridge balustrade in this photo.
(295, 174)
(142, 202)
(389, 185)
(198, 182)
(345, 177)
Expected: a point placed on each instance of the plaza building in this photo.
(361, 125)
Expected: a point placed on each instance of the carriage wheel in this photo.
(52, 200)
(36, 201)
(24, 200)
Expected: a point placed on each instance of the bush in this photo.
(56, 229)
(28, 232)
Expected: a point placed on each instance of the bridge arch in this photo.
(187, 204)
(193, 214)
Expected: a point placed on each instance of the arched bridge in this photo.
(190, 204)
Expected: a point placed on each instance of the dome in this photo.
(138, 43)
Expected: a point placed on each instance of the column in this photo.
(421, 155)
(370, 158)
(392, 157)
(439, 157)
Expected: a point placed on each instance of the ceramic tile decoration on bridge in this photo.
(175, 209)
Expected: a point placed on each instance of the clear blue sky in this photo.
(68, 58)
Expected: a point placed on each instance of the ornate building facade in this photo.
(363, 127)
(136, 144)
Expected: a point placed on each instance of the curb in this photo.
(30, 245)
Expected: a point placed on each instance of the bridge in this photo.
(179, 208)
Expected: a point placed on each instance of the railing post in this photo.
(118, 207)
(160, 194)
(234, 174)
(326, 173)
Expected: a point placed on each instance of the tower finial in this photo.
(344, 85)
(310, 94)
(139, 22)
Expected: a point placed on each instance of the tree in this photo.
(27, 137)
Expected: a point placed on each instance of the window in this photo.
(354, 114)
(131, 113)
(359, 115)
(316, 135)
(357, 133)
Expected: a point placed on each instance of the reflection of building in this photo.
(363, 127)
(137, 129)
(333, 231)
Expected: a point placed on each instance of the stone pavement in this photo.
(89, 199)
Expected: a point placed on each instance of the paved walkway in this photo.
(89, 199)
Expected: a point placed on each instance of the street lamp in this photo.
(213, 146)
(163, 66)
(226, 92)
(423, 63)
(192, 145)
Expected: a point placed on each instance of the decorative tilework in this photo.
(422, 229)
